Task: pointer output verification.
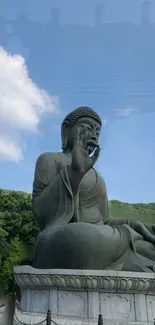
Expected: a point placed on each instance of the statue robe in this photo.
(75, 230)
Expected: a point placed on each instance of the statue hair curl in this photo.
(70, 120)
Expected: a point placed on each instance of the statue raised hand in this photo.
(82, 162)
(71, 206)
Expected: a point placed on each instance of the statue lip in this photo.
(92, 143)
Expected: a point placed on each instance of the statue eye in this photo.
(88, 128)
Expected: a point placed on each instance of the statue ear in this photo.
(64, 134)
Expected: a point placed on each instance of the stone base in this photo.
(78, 296)
(35, 319)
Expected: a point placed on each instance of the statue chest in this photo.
(89, 179)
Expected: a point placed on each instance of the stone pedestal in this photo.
(79, 296)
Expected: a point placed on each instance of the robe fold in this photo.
(76, 231)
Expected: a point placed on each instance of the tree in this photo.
(18, 228)
(17, 251)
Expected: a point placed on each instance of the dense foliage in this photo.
(18, 229)
(138, 211)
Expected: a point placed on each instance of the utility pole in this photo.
(48, 318)
(100, 320)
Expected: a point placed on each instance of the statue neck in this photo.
(67, 151)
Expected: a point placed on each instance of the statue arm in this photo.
(118, 222)
(105, 204)
(145, 229)
(130, 222)
(75, 178)
(52, 193)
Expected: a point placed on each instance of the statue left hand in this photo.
(81, 161)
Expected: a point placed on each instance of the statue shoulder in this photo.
(47, 167)
(100, 178)
(47, 158)
(102, 183)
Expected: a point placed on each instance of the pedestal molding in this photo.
(108, 281)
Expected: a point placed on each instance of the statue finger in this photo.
(82, 134)
(78, 136)
(96, 155)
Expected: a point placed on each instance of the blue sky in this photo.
(49, 67)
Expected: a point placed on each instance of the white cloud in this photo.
(104, 122)
(10, 149)
(126, 112)
(22, 104)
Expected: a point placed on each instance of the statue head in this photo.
(84, 117)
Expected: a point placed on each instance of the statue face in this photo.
(90, 132)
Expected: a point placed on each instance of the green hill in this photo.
(137, 211)
(18, 229)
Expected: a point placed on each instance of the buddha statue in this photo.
(70, 204)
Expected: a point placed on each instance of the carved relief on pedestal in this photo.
(72, 303)
(115, 306)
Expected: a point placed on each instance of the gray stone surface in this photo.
(29, 319)
(1, 314)
(78, 297)
(70, 204)
(107, 281)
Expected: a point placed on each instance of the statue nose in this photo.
(94, 138)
